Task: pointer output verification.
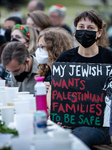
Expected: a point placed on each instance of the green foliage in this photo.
(6, 148)
(5, 129)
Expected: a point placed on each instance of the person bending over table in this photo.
(22, 66)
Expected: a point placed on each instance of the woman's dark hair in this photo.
(17, 20)
(94, 17)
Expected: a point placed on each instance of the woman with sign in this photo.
(91, 36)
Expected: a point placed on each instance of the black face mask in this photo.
(85, 38)
(22, 76)
(14, 39)
(8, 34)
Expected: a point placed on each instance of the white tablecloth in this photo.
(77, 144)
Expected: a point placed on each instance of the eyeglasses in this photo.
(41, 48)
(16, 72)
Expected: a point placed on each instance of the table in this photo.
(77, 144)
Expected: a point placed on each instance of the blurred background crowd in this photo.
(73, 7)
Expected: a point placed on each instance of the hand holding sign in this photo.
(78, 97)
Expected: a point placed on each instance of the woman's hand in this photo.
(60, 124)
(47, 85)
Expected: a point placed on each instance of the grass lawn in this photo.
(73, 8)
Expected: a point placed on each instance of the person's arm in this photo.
(49, 98)
(47, 85)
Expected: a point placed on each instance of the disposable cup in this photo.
(3, 98)
(2, 88)
(32, 102)
(11, 94)
(23, 93)
(2, 83)
(25, 96)
(7, 113)
(25, 124)
(22, 107)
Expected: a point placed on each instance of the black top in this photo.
(2, 40)
(104, 56)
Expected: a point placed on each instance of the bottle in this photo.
(40, 94)
(40, 122)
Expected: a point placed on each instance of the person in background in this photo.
(2, 37)
(39, 20)
(23, 66)
(51, 42)
(27, 35)
(9, 24)
(35, 5)
(5, 35)
(3, 74)
(57, 15)
(91, 35)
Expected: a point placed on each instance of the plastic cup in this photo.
(23, 93)
(22, 107)
(3, 98)
(25, 124)
(2, 83)
(7, 113)
(32, 102)
(2, 88)
(11, 94)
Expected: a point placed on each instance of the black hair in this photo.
(17, 20)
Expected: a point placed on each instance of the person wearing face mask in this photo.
(27, 35)
(22, 66)
(51, 42)
(3, 73)
(9, 24)
(5, 35)
(91, 36)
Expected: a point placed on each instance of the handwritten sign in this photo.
(79, 93)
